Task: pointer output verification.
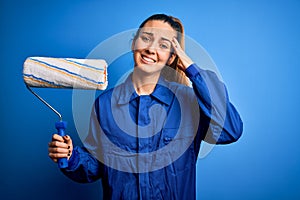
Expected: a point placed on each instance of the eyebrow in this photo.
(151, 34)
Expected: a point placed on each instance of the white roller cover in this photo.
(65, 73)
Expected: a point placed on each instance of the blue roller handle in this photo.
(61, 127)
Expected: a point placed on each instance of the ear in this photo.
(171, 59)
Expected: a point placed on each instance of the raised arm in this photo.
(225, 124)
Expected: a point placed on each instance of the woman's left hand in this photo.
(185, 60)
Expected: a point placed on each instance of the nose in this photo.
(152, 47)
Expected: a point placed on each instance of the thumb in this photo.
(68, 141)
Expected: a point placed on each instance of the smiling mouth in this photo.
(147, 59)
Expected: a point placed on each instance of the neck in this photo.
(144, 84)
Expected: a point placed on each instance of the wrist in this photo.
(186, 63)
(192, 70)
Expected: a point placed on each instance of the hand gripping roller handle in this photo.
(61, 127)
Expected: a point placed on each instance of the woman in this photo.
(145, 134)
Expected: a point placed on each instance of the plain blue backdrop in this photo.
(255, 45)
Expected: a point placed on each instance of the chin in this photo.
(148, 69)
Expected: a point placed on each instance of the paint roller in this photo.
(46, 72)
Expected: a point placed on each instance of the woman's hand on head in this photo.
(185, 60)
(60, 147)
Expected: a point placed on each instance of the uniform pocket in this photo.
(180, 149)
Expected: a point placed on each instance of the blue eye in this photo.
(145, 38)
(164, 46)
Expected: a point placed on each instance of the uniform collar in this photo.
(127, 92)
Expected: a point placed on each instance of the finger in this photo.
(177, 48)
(58, 144)
(59, 150)
(185, 60)
(175, 44)
(56, 137)
(67, 140)
(55, 156)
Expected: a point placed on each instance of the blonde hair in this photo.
(178, 75)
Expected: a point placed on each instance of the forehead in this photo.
(159, 29)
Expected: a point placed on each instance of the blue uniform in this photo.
(146, 147)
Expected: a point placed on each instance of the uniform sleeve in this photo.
(83, 167)
(225, 124)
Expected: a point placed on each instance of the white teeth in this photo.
(148, 59)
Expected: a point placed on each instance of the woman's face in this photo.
(152, 47)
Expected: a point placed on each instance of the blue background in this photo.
(255, 45)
